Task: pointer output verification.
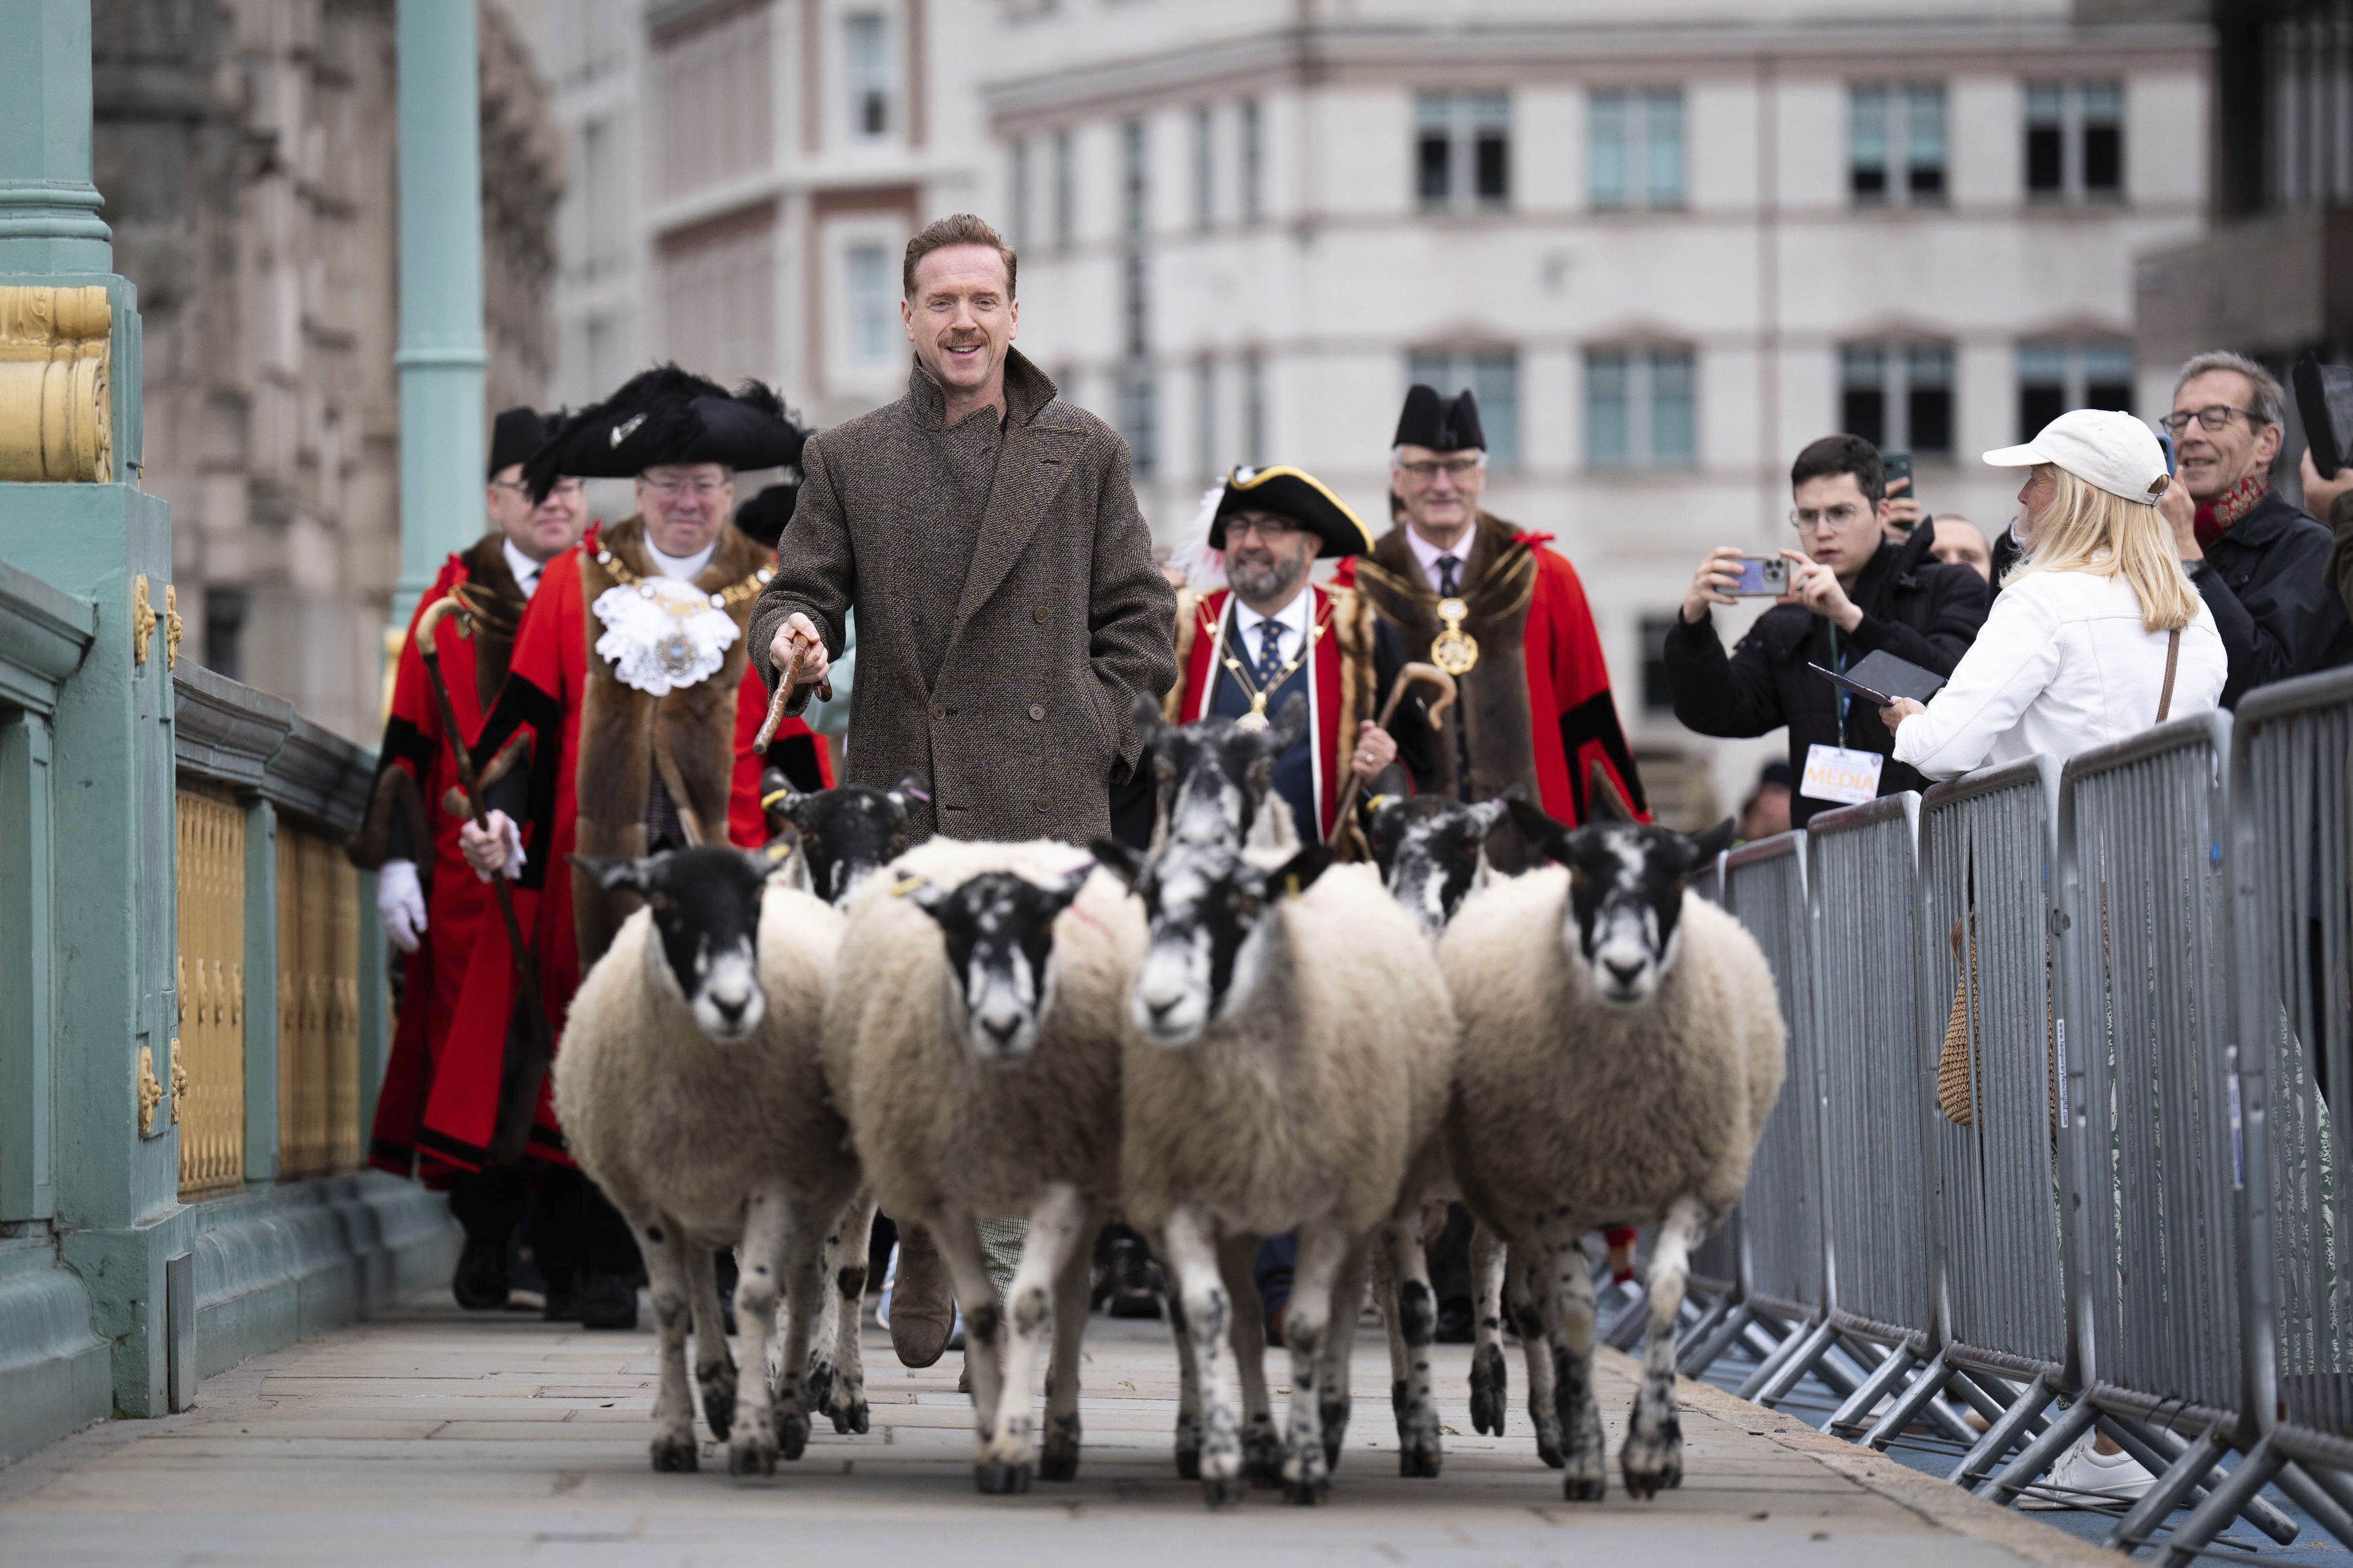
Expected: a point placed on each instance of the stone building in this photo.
(245, 152)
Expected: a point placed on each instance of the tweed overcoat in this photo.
(1059, 623)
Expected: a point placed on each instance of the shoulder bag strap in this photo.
(2172, 658)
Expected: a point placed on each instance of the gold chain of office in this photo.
(1256, 718)
(724, 599)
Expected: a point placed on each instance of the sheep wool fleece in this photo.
(1563, 1100)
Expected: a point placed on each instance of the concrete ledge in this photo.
(55, 1375)
(280, 1264)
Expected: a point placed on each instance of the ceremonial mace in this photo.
(1411, 674)
(543, 1036)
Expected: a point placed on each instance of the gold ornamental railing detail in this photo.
(209, 1099)
(55, 424)
(318, 1007)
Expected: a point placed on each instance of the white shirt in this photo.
(1293, 617)
(2062, 664)
(682, 567)
(1428, 554)
(527, 570)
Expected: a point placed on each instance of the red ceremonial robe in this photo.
(1568, 678)
(1333, 708)
(546, 687)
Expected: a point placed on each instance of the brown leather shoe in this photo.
(922, 1312)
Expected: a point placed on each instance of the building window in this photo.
(1066, 190)
(1658, 696)
(866, 57)
(1895, 143)
(1898, 396)
(1253, 155)
(224, 613)
(1462, 155)
(1641, 409)
(719, 294)
(1493, 377)
(1018, 193)
(1254, 441)
(1138, 419)
(1635, 143)
(1205, 420)
(712, 111)
(2075, 140)
(1205, 169)
(2054, 376)
(1135, 206)
(866, 270)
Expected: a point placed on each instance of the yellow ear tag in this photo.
(779, 850)
(772, 797)
(1291, 885)
(1377, 803)
(906, 885)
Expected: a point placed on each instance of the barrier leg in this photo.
(2174, 1484)
(1707, 1323)
(2336, 1485)
(2040, 1455)
(2157, 1449)
(2002, 1433)
(2207, 1520)
(2304, 1489)
(1792, 1339)
(1909, 1403)
(1786, 1375)
(1714, 1342)
(1856, 1412)
(1627, 1328)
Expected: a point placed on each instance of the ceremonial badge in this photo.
(1256, 719)
(1454, 651)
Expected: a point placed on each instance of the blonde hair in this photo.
(2087, 529)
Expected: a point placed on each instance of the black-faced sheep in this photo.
(1215, 781)
(1621, 1047)
(692, 1089)
(1290, 1057)
(974, 1043)
(1432, 852)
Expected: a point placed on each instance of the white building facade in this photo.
(1667, 241)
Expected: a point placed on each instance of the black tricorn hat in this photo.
(670, 415)
(1441, 425)
(763, 516)
(1293, 493)
(516, 433)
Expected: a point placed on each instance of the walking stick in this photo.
(777, 701)
(1411, 674)
(510, 1138)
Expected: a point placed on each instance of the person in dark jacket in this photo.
(2258, 560)
(2332, 498)
(1852, 591)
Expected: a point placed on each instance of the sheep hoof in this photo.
(1307, 1494)
(1489, 1381)
(1414, 1461)
(850, 1419)
(719, 1404)
(995, 1478)
(792, 1433)
(1583, 1488)
(673, 1455)
(1220, 1492)
(1188, 1461)
(751, 1458)
(1059, 1462)
(1262, 1460)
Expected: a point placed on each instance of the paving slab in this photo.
(445, 1438)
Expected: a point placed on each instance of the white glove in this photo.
(500, 849)
(400, 900)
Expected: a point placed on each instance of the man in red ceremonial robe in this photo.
(431, 905)
(1504, 614)
(1244, 649)
(630, 675)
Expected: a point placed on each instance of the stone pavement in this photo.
(443, 1438)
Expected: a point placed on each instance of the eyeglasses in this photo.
(1453, 467)
(2212, 417)
(1805, 520)
(671, 489)
(1269, 530)
(568, 488)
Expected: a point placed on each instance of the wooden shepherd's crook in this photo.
(1411, 674)
(509, 1139)
(777, 701)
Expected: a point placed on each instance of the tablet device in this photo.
(1881, 678)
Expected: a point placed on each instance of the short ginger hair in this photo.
(957, 229)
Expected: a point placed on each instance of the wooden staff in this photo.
(1411, 674)
(510, 1141)
(777, 701)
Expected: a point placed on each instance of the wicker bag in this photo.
(1958, 1057)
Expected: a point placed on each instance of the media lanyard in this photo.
(1838, 662)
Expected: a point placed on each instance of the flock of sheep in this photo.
(1226, 1039)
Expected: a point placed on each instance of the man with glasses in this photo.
(1502, 613)
(1243, 650)
(631, 682)
(432, 908)
(1853, 591)
(2258, 560)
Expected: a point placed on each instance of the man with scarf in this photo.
(432, 908)
(632, 680)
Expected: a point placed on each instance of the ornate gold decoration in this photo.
(1256, 719)
(55, 424)
(208, 1052)
(179, 1081)
(151, 1092)
(1454, 650)
(726, 598)
(170, 626)
(142, 619)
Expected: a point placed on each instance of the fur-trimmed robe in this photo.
(406, 821)
(1536, 709)
(595, 743)
(1356, 661)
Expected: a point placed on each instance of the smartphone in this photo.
(2165, 443)
(1898, 465)
(2324, 397)
(1762, 576)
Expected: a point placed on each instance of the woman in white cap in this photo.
(2097, 632)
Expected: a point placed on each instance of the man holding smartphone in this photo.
(1852, 591)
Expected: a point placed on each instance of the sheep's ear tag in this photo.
(906, 885)
(1291, 885)
(779, 850)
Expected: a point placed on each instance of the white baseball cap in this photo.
(2100, 447)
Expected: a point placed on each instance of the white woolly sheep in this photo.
(692, 1089)
(1621, 1049)
(973, 1044)
(1290, 1060)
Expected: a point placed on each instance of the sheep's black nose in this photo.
(1624, 974)
(1003, 1031)
(729, 1009)
(1160, 1009)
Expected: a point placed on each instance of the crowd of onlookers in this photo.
(2133, 582)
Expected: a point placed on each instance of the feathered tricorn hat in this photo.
(1296, 494)
(670, 415)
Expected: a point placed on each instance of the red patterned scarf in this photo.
(2215, 517)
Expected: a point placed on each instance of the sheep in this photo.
(691, 1089)
(974, 1047)
(1432, 852)
(1216, 780)
(1621, 1049)
(1287, 1068)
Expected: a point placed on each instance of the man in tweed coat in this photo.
(1008, 609)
